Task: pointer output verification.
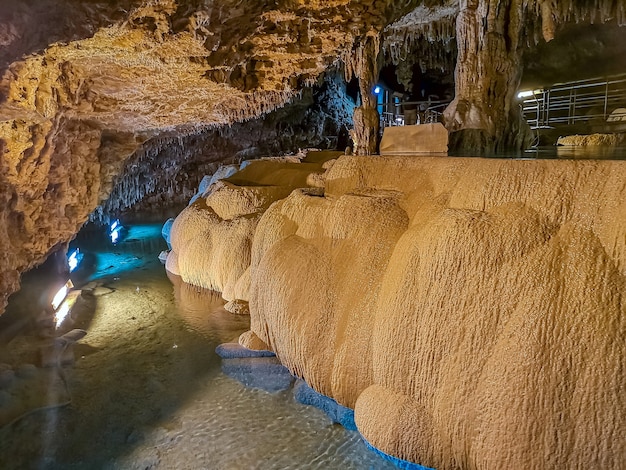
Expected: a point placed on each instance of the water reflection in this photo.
(551, 152)
(104, 259)
(591, 152)
(203, 310)
(147, 389)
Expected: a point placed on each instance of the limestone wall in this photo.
(472, 311)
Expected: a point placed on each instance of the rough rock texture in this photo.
(81, 108)
(487, 75)
(212, 238)
(592, 140)
(104, 78)
(166, 170)
(364, 64)
(425, 36)
(490, 37)
(472, 311)
(30, 26)
(577, 52)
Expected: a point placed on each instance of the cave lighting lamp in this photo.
(62, 313)
(61, 294)
(527, 94)
(377, 89)
(114, 231)
(66, 307)
(73, 259)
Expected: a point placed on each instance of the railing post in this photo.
(606, 98)
(571, 119)
(538, 107)
(547, 107)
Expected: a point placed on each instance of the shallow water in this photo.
(147, 389)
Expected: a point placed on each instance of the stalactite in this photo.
(543, 17)
(358, 62)
(161, 168)
(425, 36)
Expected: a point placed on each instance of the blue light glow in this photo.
(377, 89)
(115, 232)
(73, 260)
(133, 245)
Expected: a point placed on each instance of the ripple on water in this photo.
(151, 394)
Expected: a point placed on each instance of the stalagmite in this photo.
(484, 114)
(98, 90)
(101, 84)
(490, 35)
(471, 311)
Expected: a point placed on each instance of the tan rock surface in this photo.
(104, 77)
(212, 238)
(417, 139)
(470, 310)
(592, 140)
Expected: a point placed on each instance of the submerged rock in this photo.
(7, 377)
(26, 371)
(5, 399)
(337, 413)
(238, 307)
(592, 140)
(265, 373)
(235, 350)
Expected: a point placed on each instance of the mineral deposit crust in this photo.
(471, 311)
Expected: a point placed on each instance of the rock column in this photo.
(484, 115)
(363, 63)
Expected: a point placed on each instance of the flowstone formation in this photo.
(470, 311)
(211, 239)
(167, 170)
(104, 78)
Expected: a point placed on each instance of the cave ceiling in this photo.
(169, 63)
(85, 84)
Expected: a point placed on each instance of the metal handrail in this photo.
(401, 113)
(580, 101)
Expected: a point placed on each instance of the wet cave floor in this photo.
(147, 390)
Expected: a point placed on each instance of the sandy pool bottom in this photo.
(147, 392)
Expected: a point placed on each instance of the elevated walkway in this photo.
(406, 113)
(583, 106)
